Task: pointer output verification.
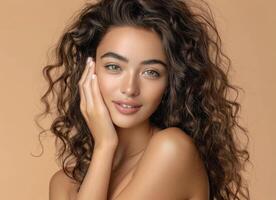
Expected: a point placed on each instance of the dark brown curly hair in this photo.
(197, 99)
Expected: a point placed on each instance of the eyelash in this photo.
(157, 74)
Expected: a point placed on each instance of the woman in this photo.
(142, 106)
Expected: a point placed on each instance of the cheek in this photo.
(105, 85)
(154, 93)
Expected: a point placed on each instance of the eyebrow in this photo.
(145, 62)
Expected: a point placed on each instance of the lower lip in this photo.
(126, 110)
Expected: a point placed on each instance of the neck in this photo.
(132, 142)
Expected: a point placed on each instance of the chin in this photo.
(129, 120)
(125, 121)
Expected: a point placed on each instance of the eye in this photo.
(112, 67)
(153, 73)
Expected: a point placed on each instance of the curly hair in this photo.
(196, 100)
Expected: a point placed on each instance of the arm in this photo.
(96, 181)
(92, 106)
(97, 116)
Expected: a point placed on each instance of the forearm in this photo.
(96, 181)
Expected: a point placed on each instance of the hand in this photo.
(93, 108)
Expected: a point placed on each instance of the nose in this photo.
(130, 86)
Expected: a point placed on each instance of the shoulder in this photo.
(173, 143)
(178, 148)
(173, 139)
(61, 186)
(172, 167)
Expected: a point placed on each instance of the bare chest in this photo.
(120, 180)
(117, 186)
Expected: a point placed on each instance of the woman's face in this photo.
(124, 74)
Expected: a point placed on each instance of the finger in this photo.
(87, 87)
(96, 93)
(92, 64)
(81, 81)
(85, 72)
(81, 86)
(81, 89)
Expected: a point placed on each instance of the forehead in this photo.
(133, 42)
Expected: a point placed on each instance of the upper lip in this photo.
(128, 102)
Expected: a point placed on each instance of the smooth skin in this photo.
(170, 167)
(130, 66)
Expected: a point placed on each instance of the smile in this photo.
(127, 109)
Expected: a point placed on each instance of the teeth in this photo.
(126, 106)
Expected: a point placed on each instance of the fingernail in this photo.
(89, 61)
(93, 76)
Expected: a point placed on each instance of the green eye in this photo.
(115, 68)
(153, 73)
(112, 67)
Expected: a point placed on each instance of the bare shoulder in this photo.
(61, 187)
(174, 143)
(172, 168)
(174, 138)
(178, 147)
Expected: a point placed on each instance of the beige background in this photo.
(28, 30)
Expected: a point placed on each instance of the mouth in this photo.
(128, 103)
(127, 109)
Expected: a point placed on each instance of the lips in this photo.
(129, 103)
(122, 106)
(126, 110)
